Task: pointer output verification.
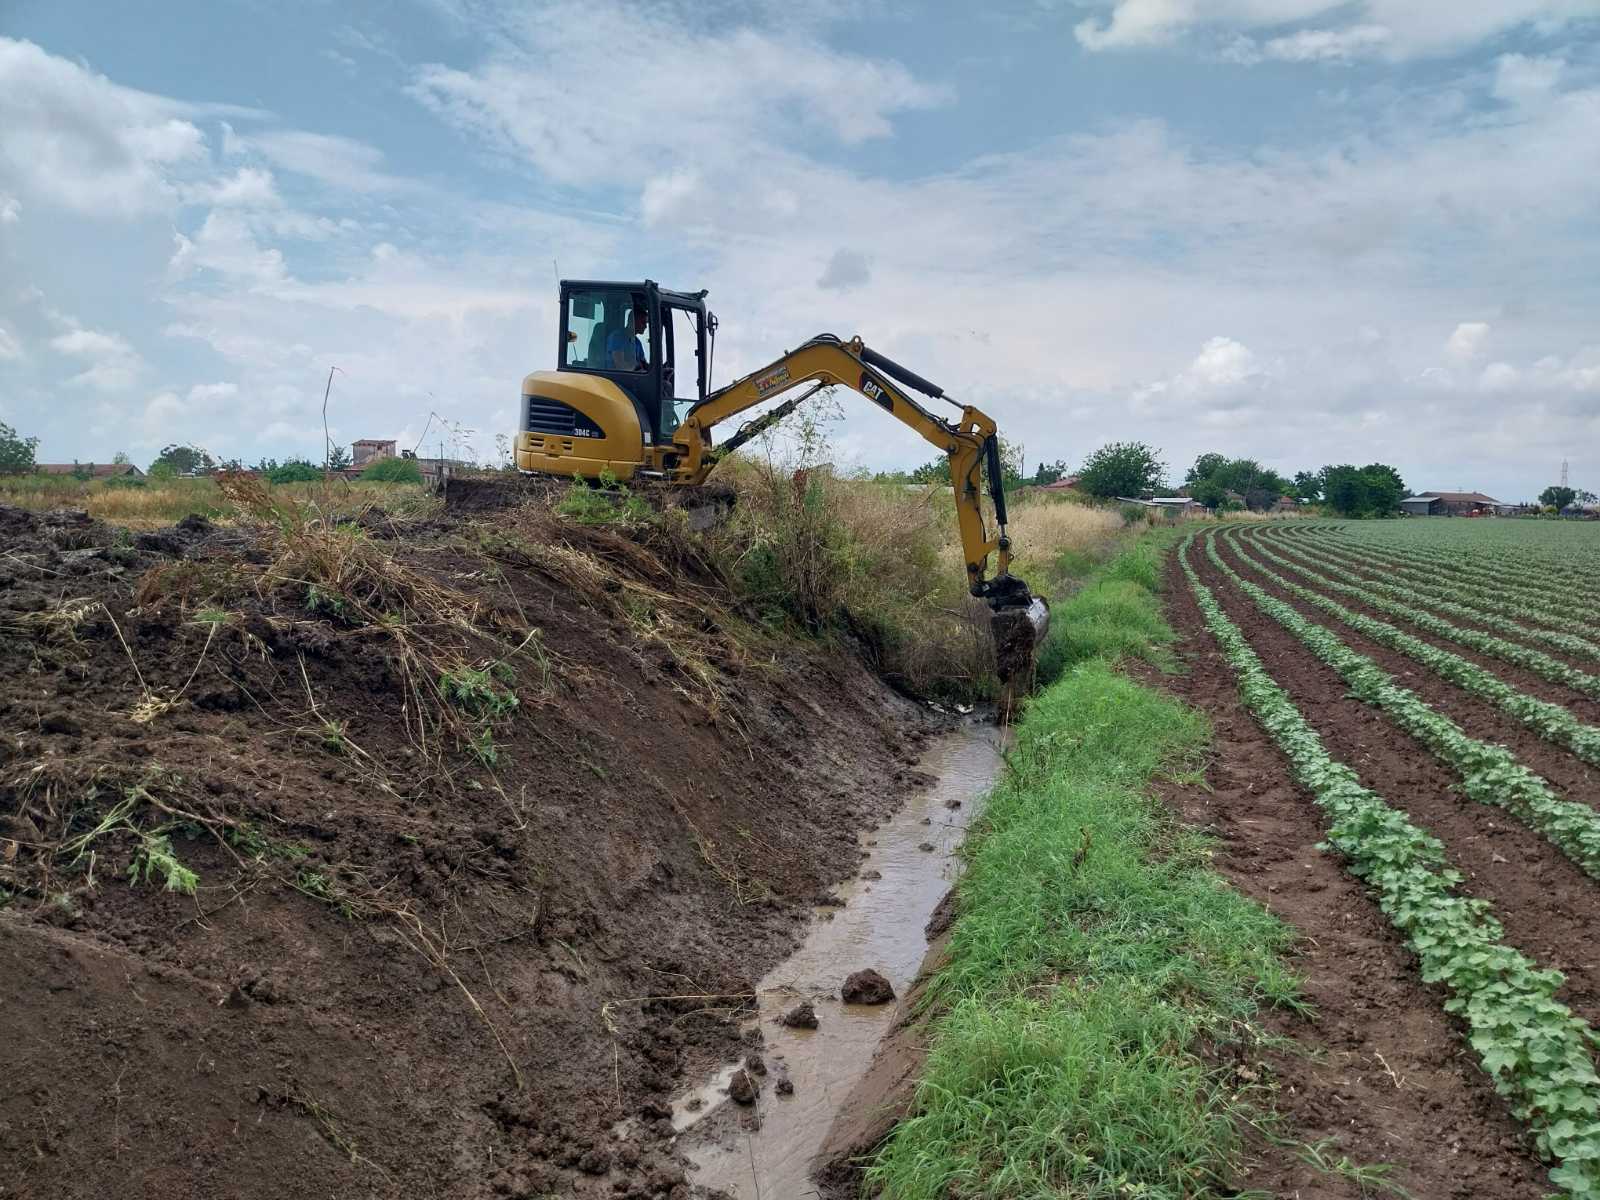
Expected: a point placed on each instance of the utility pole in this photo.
(1563, 472)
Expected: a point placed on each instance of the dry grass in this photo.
(885, 563)
(162, 503)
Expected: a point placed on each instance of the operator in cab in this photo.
(626, 353)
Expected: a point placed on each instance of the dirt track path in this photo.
(1392, 1081)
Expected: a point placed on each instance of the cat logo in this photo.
(876, 392)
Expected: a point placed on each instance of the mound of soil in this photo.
(396, 859)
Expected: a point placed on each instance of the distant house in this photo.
(1286, 504)
(95, 470)
(1067, 483)
(1171, 508)
(1451, 504)
(367, 451)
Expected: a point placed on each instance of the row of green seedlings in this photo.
(1506, 578)
(1495, 595)
(1489, 774)
(1534, 1049)
(1550, 721)
(1536, 661)
(1485, 609)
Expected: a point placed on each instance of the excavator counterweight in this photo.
(630, 398)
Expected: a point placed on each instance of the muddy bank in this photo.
(428, 951)
(807, 1079)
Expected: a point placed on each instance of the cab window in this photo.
(602, 333)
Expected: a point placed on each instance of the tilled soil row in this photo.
(1549, 908)
(1585, 708)
(1320, 560)
(1576, 779)
(1379, 1067)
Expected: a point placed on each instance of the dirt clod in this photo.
(927, 847)
(742, 1089)
(866, 987)
(801, 1016)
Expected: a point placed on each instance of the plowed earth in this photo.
(410, 968)
(1376, 1066)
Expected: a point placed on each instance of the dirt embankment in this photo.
(493, 821)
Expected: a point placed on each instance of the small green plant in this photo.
(1368, 1177)
(320, 600)
(606, 502)
(154, 859)
(476, 690)
(483, 747)
(211, 616)
(333, 737)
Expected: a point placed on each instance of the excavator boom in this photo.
(611, 410)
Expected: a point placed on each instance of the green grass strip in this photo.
(1489, 774)
(1483, 609)
(1550, 721)
(1533, 1047)
(1094, 952)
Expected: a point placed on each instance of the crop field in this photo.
(1408, 738)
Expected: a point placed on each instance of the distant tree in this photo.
(338, 457)
(1049, 472)
(230, 464)
(1208, 493)
(16, 453)
(1557, 497)
(1122, 469)
(1371, 491)
(293, 471)
(1584, 497)
(937, 471)
(1308, 485)
(394, 470)
(161, 471)
(1205, 467)
(120, 458)
(185, 460)
(82, 471)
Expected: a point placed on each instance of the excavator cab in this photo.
(652, 343)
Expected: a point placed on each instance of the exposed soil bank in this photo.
(878, 920)
(410, 968)
(1378, 1067)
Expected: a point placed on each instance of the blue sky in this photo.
(1305, 231)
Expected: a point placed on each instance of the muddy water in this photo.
(763, 1152)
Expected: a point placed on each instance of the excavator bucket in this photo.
(1019, 630)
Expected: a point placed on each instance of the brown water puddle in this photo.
(764, 1151)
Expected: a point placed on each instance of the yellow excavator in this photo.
(630, 399)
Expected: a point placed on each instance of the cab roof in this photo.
(683, 299)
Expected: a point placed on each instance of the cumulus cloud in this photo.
(1466, 342)
(226, 244)
(10, 347)
(10, 209)
(74, 138)
(113, 363)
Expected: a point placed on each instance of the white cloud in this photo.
(671, 199)
(1328, 45)
(1521, 79)
(10, 347)
(249, 187)
(339, 162)
(1337, 29)
(10, 209)
(226, 244)
(1499, 377)
(211, 393)
(74, 138)
(113, 362)
(552, 93)
(1466, 343)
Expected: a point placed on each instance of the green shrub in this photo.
(294, 472)
(117, 482)
(605, 502)
(393, 470)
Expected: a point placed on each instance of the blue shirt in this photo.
(617, 341)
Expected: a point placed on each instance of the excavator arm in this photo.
(1019, 620)
(825, 360)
